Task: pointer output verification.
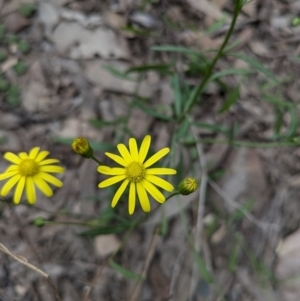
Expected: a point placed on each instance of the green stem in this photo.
(216, 58)
(95, 159)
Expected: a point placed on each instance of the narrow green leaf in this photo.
(175, 83)
(231, 71)
(216, 26)
(183, 129)
(160, 68)
(125, 272)
(151, 111)
(231, 99)
(102, 123)
(233, 257)
(118, 73)
(213, 127)
(104, 230)
(256, 64)
(172, 48)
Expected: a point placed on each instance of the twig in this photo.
(137, 289)
(25, 262)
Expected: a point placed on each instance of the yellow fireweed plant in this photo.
(28, 171)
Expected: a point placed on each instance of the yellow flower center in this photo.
(28, 168)
(135, 172)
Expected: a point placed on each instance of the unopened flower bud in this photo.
(187, 186)
(82, 147)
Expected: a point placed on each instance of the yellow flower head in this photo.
(187, 186)
(29, 170)
(82, 147)
(135, 173)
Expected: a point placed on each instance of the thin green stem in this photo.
(96, 160)
(213, 63)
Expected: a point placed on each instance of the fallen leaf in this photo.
(205, 7)
(106, 244)
(77, 42)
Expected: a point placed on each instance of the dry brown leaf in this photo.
(205, 7)
(106, 244)
(98, 75)
(77, 42)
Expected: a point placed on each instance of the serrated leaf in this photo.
(231, 99)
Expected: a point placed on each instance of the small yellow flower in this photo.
(135, 173)
(187, 186)
(29, 170)
(82, 147)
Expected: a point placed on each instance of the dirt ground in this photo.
(62, 76)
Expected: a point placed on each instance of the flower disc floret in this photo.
(135, 173)
(29, 171)
(28, 167)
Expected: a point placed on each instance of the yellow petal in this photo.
(52, 168)
(12, 158)
(42, 186)
(111, 181)
(132, 196)
(123, 150)
(8, 174)
(161, 171)
(133, 149)
(160, 182)
(30, 190)
(23, 156)
(41, 156)
(110, 171)
(144, 148)
(119, 193)
(19, 190)
(157, 157)
(117, 159)
(48, 161)
(10, 184)
(12, 168)
(143, 197)
(153, 191)
(51, 179)
(33, 153)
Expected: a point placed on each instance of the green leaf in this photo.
(183, 129)
(104, 230)
(231, 99)
(102, 123)
(24, 46)
(20, 68)
(175, 83)
(239, 214)
(216, 26)
(179, 49)
(27, 10)
(256, 64)
(125, 272)
(213, 127)
(234, 257)
(151, 112)
(231, 71)
(13, 97)
(160, 68)
(117, 73)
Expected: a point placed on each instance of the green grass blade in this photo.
(125, 272)
(231, 99)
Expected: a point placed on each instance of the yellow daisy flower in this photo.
(135, 173)
(29, 170)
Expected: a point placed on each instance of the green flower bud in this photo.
(39, 222)
(82, 147)
(187, 186)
